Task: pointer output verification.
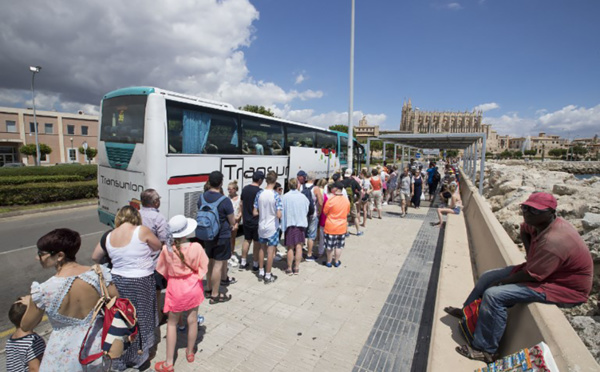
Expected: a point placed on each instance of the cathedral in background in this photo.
(416, 121)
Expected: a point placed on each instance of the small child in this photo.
(184, 268)
(24, 350)
(232, 191)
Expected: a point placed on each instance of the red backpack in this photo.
(468, 322)
(119, 329)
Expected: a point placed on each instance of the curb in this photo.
(47, 209)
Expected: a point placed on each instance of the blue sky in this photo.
(531, 65)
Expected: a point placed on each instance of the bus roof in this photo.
(192, 99)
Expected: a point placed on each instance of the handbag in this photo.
(106, 259)
(468, 322)
(119, 328)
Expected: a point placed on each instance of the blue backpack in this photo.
(208, 221)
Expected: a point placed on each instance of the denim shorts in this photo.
(456, 210)
(273, 241)
(311, 231)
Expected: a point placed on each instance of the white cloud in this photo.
(570, 121)
(486, 107)
(190, 46)
(299, 79)
(454, 6)
(447, 6)
(325, 120)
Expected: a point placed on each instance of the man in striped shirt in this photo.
(24, 350)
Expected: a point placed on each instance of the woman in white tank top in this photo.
(130, 248)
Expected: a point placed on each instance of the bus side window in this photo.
(327, 140)
(193, 131)
(300, 136)
(261, 138)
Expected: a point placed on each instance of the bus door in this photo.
(322, 162)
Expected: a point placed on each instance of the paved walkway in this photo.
(366, 315)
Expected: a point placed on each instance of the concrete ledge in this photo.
(455, 282)
(527, 324)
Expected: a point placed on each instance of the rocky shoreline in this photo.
(508, 183)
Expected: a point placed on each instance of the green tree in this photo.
(451, 153)
(579, 150)
(506, 154)
(530, 152)
(342, 128)
(90, 152)
(557, 152)
(517, 154)
(30, 150)
(258, 109)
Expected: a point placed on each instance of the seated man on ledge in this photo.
(558, 269)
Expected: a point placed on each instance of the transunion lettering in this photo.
(121, 185)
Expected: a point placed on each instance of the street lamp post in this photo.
(35, 70)
(351, 108)
(71, 149)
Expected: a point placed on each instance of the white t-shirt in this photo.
(268, 202)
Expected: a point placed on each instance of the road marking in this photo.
(33, 246)
(13, 329)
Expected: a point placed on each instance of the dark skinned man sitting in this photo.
(558, 269)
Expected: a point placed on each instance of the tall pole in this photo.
(351, 109)
(35, 70)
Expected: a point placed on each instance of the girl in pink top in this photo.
(184, 267)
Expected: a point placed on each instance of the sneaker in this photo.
(347, 234)
(270, 279)
(384, 203)
(255, 268)
(260, 277)
(232, 262)
(337, 264)
(360, 233)
(200, 320)
(328, 264)
(244, 267)
(312, 258)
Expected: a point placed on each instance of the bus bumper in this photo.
(106, 218)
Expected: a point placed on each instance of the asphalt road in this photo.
(18, 254)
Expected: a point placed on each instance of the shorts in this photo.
(335, 241)
(294, 235)
(273, 241)
(376, 197)
(311, 230)
(218, 249)
(250, 233)
(161, 282)
(404, 196)
(456, 210)
(353, 211)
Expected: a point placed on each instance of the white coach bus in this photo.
(153, 138)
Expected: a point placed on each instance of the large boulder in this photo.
(563, 190)
(590, 221)
(588, 329)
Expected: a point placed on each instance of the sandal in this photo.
(474, 354)
(190, 357)
(162, 367)
(228, 281)
(219, 299)
(296, 271)
(454, 311)
(288, 271)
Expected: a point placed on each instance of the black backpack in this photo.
(311, 204)
(437, 176)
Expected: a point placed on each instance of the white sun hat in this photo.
(181, 226)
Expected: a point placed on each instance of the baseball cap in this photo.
(348, 172)
(301, 173)
(257, 176)
(335, 177)
(541, 201)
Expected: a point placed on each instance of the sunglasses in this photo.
(531, 210)
(43, 253)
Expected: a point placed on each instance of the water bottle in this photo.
(200, 319)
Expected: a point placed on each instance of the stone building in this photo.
(543, 143)
(417, 121)
(364, 130)
(592, 145)
(63, 132)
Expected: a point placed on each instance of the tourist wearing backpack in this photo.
(353, 190)
(433, 179)
(216, 219)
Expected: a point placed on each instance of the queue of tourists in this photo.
(189, 260)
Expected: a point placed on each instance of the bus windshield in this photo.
(123, 119)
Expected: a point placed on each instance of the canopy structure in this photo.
(414, 142)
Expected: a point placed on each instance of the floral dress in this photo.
(62, 350)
